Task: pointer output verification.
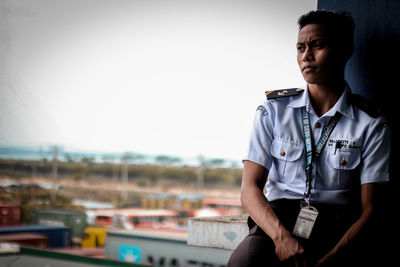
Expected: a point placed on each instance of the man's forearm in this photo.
(353, 232)
(259, 209)
(286, 246)
(256, 204)
(358, 227)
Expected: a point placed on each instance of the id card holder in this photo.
(305, 222)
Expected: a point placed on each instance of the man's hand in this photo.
(290, 251)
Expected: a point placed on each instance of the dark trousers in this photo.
(257, 249)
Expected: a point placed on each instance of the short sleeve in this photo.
(376, 153)
(261, 137)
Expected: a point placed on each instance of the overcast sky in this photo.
(177, 77)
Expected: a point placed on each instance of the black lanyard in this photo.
(312, 153)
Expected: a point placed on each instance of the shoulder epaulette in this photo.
(365, 105)
(283, 93)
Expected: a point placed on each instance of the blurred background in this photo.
(134, 114)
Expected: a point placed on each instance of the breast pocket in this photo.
(344, 164)
(287, 159)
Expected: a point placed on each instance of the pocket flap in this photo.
(344, 160)
(285, 150)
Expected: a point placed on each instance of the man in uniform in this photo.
(320, 152)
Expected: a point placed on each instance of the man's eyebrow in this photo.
(311, 41)
(318, 39)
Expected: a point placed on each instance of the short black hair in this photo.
(339, 25)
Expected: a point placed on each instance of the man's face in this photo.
(317, 59)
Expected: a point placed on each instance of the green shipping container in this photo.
(75, 220)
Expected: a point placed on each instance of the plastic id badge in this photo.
(305, 222)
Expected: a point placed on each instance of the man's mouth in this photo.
(308, 67)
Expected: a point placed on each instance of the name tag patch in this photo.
(345, 144)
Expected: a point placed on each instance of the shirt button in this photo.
(283, 153)
(317, 125)
(343, 162)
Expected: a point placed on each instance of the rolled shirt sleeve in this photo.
(376, 153)
(261, 137)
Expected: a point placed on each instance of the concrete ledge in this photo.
(218, 231)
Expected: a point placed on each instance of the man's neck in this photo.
(324, 97)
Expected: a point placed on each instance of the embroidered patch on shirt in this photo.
(345, 144)
(262, 110)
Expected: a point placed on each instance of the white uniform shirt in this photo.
(357, 151)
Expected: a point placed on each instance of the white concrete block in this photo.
(217, 231)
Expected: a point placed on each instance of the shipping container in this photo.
(26, 239)
(76, 220)
(161, 249)
(94, 237)
(10, 215)
(59, 236)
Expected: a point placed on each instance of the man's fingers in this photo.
(304, 262)
(299, 261)
(296, 262)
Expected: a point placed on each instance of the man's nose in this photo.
(308, 55)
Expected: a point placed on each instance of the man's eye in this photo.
(318, 45)
(300, 48)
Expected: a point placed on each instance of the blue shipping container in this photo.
(59, 236)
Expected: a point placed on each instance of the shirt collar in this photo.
(342, 105)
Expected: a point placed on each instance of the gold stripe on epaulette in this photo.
(282, 93)
(269, 92)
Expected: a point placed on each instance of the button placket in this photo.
(317, 130)
(317, 127)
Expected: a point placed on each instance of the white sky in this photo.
(177, 77)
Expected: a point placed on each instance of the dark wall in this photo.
(374, 72)
(371, 71)
(374, 69)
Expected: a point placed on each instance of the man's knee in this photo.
(254, 250)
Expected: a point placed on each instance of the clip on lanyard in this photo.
(311, 153)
